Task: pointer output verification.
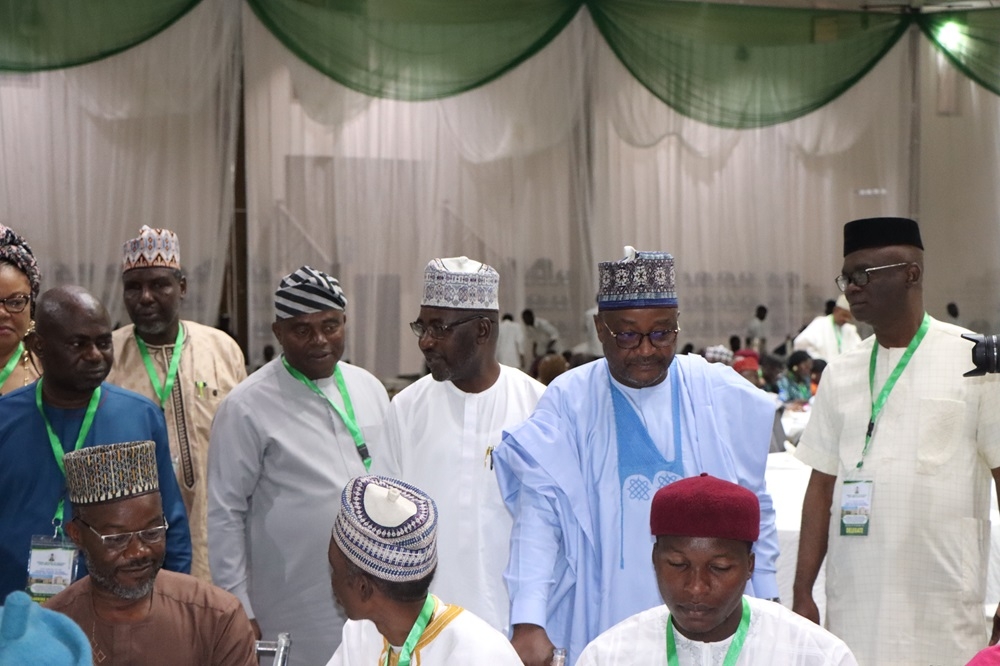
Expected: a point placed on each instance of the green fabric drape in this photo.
(414, 49)
(741, 67)
(51, 34)
(971, 40)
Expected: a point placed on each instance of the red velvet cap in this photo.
(704, 506)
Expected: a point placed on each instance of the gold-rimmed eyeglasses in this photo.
(632, 339)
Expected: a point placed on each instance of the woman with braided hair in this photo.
(19, 284)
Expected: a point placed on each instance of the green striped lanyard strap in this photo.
(162, 390)
(57, 447)
(879, 402)
(346, 413)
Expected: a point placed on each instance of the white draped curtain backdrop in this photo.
(91, 153)
(556, 166)
(542, 173)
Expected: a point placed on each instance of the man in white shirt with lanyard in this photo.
(383, 556)
(704, 529)
(902, 448)
(830, 335)
(284, 444)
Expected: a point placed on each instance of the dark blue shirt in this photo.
(31, 482)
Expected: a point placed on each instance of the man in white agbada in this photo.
(442, 429)
(902, 448)
(831, 335)
(382, 556)
(284, 444)
(704, 529)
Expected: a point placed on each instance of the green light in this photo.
(950, 36)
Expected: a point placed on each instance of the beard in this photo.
(134, 592)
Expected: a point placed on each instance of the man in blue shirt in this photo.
(71, 407)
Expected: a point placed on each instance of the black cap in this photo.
(880, 232)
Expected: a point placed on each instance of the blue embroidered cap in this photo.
(640, 280)
(388, 528)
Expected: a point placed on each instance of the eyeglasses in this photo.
(16, 303)
(861, 277)
(632, 339)
(440, 331)
(118, 542)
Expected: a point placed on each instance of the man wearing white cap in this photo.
(829, 336)
(136, 613)
(284, 444)
(383, 556)
(442, 429)
(579, 474)
(183, 366)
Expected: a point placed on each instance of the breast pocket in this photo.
(940, 425)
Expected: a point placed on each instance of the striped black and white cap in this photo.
(306, 291)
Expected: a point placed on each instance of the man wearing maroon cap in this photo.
(705, 529)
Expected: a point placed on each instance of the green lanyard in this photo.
(346, 414)
(732, 655)
(836, 332)
(162, 390)
(879, 402)
(57, 447)
(415, 633)
(12, 363)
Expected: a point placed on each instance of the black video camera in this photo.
(985, 355)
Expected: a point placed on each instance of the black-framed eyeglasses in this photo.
(118, 542)
(632, 339)
(440, 331)
(862, 276)
(16, 303)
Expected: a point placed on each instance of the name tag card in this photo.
(51, 566)
(856, 507)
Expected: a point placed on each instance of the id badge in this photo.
(856, 507)
(52, 566)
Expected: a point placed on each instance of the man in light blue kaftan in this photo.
(580, 473)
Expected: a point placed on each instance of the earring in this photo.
(31, 327)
